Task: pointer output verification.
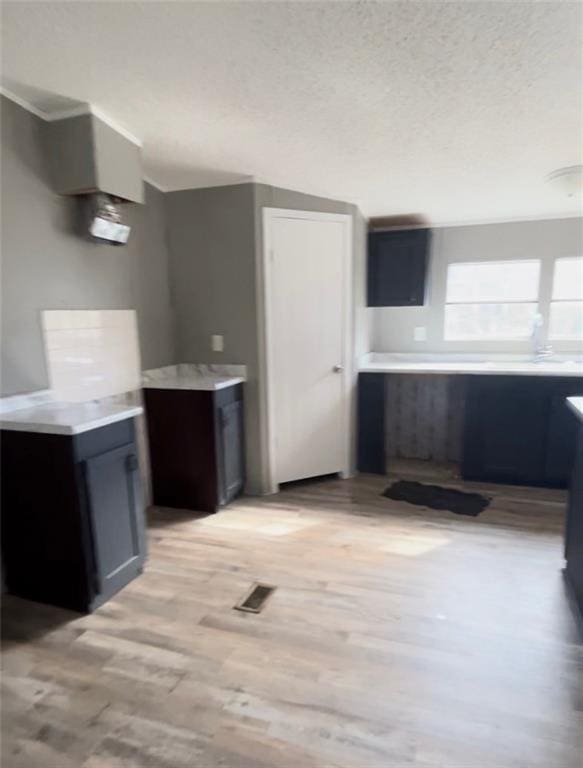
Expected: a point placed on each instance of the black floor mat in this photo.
(436, 497)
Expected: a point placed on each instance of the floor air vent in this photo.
(255, 600)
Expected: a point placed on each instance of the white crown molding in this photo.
(155, 184)
(22, 103)
(82, 109)
(235, 183)
(504, 220)
(63, 114)
(89, 109)
(488, 222)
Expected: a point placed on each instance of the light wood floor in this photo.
(397, 637)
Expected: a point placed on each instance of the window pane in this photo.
(566, 320)
(489, 321)
(568, 278)
(493, 281)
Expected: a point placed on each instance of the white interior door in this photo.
(306, 279)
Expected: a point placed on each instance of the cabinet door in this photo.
(230, 450)
(371, 450)
(397, 266)
(574, 523)
(562, 433)
(116, 517)
(505, 430)
(183, 434)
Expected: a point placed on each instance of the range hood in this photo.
(88, 155)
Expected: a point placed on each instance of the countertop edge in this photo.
(576, 405)
(193, 386)
(67, 429)
(420, 368)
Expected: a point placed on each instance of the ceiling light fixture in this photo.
(568, 181)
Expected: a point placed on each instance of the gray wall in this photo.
(212, 256)
(212, 265)
(47, 265)
(363, 315)
(392, 328)
(216, 254)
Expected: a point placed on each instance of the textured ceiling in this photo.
(455, 110)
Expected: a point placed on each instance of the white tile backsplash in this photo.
(91, 353)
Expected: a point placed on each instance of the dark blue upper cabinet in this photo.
(397, 267)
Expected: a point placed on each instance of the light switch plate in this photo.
(420, 333)
(217, 343)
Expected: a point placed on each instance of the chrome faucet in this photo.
(540, 350)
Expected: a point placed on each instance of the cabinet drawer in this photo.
(98, 441)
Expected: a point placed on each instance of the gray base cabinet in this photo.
(114, 501)
(371, 440)
(574, 524)
(516, 429)
(72, 515)
(519, 430)
(229, 453)
(196, 446)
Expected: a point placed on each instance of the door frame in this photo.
(269, 217)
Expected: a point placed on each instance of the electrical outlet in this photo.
(217, 343)
(420, 333)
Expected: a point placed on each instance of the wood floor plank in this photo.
(397, 636)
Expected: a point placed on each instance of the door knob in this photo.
(338, 368)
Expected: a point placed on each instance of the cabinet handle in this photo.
(131, 462)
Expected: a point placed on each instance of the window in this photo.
(566, 320)
(493, 300)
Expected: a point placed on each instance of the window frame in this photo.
(519, 339)
(557, 340)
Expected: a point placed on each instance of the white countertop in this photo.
(203, 383)
(66, 418)
(576, 405)
(193, 376)
(516, 365)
